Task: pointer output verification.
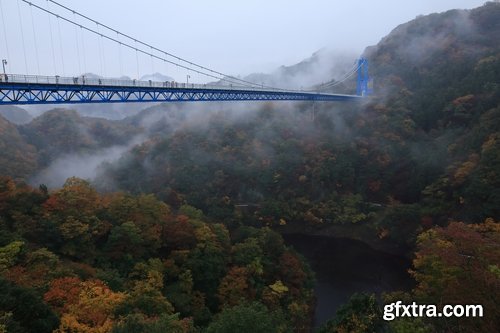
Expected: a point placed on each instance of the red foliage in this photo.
(179, 233)
(63, 292)
(292, 272)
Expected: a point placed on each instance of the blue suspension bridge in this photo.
(21, 89)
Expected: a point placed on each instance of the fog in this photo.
(166, 120)
(83, 166)
(236, 38)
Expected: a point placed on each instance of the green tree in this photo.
(125, 240)
(459, 265)
(27, 309)
(360, 315)
(138, 323)
(247, 318)
(9, 254)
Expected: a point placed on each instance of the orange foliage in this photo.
(62, 293)
(465, 169)
(86, 307)
(179, 233)
(292, 272)
(459, 264)
(234, 287)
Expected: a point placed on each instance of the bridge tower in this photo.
(363, 82)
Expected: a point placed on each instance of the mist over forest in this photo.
(170, 217)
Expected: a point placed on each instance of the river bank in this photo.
(346, 266)
(363, 232)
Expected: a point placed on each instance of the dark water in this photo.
(344, 267)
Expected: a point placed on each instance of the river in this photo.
(344, 267)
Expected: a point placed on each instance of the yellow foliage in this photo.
(384, 159)
(9, 253)
(490, 142)
(204, 235)
(467, 99)
(278, 287)
(93, 311)
(383, 233)
(489, 225)
(465, 169)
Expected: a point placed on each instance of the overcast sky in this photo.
(231, 36)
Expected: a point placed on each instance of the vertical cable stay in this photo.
(137, 60)
(152, 62)
(83, 51)
(77, 49)
(228, 79)
(100, 50)
(220, 76)
(103, 43)
(190, 67)
(52, 40)
(35, 40)
(120, 54)
(166, 66)
(5, 32)
(61, 47)
(22, 37)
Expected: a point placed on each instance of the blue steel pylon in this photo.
(362, 83)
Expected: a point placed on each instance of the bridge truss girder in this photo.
(28, 93)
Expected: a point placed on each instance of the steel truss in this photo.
(30, 93)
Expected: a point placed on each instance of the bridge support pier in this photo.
(363, 82)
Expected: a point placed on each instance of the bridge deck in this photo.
(24, 89)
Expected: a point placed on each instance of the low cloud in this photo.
(84, 166)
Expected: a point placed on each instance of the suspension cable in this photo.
(156, 49)
(226, 79)
(332, 84)
(201, 69)
(347, 75)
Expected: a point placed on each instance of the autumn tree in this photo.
(92, 311)
(138, 323)
(25, 309)
(248, 318)
(74, 212)
(361, 314)
(459, 265)
(146, 295)
(234, 287)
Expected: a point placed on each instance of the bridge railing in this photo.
(96, 81)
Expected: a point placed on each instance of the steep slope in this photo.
(59, 132)
(15, 115)
(438, 58)
(122, 263)
(323, 66)
(18, 159)
(438, 90)
(424, 149)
